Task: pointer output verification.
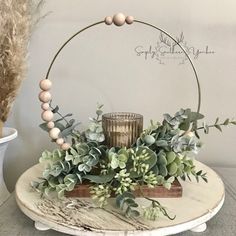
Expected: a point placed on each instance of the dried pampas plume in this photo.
(17, 17)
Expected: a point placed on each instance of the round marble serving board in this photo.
(80, 216)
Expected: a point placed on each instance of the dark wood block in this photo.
(83, 190)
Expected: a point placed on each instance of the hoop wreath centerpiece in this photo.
(115, 157)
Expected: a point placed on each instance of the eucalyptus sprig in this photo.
(65, 125)
(95, 131)
(126, 203)
(154, 211)
(218, 125)
(163, 153)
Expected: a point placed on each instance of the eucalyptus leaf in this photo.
(149, 139)
(55, 110)
(59, 125)
(162, 143)
(218, 127)
(170, 157)
(100, 179)
(161, 159)
(172, 168)
(194, 116)
(68, 131)
(226, 122)
(185, 125)
(163, 170)
(44, 127)
(114, 162)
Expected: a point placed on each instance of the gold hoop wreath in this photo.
(45, 96)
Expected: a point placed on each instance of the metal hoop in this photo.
(119, 19)
(144, 23)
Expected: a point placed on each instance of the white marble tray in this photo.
(200, 202)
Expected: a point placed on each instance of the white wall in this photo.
(101, 66)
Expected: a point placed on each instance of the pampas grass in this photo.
(17, 17)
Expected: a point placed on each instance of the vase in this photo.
(121, 129)
(8, 135)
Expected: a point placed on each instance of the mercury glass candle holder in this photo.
(121, 129)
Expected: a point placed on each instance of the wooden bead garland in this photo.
(129, 20)
(65, 146)
(47, 115)
(50, 124)
(45, 106)
(119, 19)
(45, 85)
(108, 20)
(45, 96)
(54, 133)
(60, 141)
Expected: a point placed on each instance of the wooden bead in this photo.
(190, 134)
(119, 19)
(54, 133)
(45, 106)
(108, 20)
(45, 96)
(47, 115)
(60, 141)
(65, 146)
(129, 19)
(45, 84)
(50, 124)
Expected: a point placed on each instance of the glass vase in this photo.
(121, 129)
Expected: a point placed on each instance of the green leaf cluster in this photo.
(126, 203)
(162, 153)
(95, 130)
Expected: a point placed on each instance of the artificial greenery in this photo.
(163, 152)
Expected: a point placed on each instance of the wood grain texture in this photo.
(199, 203)
(222, 224)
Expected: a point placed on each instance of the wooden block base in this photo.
(83, 190)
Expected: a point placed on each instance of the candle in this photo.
(121, 129)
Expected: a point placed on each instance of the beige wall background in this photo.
(101, 66)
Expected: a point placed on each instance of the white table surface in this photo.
(13, 222)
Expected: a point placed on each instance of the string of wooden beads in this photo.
(119, 19)
(47, 115)
(45, 85)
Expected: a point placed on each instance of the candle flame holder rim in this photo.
(122, 116)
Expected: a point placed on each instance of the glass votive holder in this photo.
(121, 129)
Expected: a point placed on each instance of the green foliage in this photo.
(67, 127)
(170, 157)
(65, 169)
(149, 139)
(118, 159)
(162, 153)
(143, 160)
(126, 202)
(101, 193)
(100, 179)
(95, 131)
(167, 183)
(150, 179)
(172, 168)
(154, 211)
(125, 182)
(206, 128)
